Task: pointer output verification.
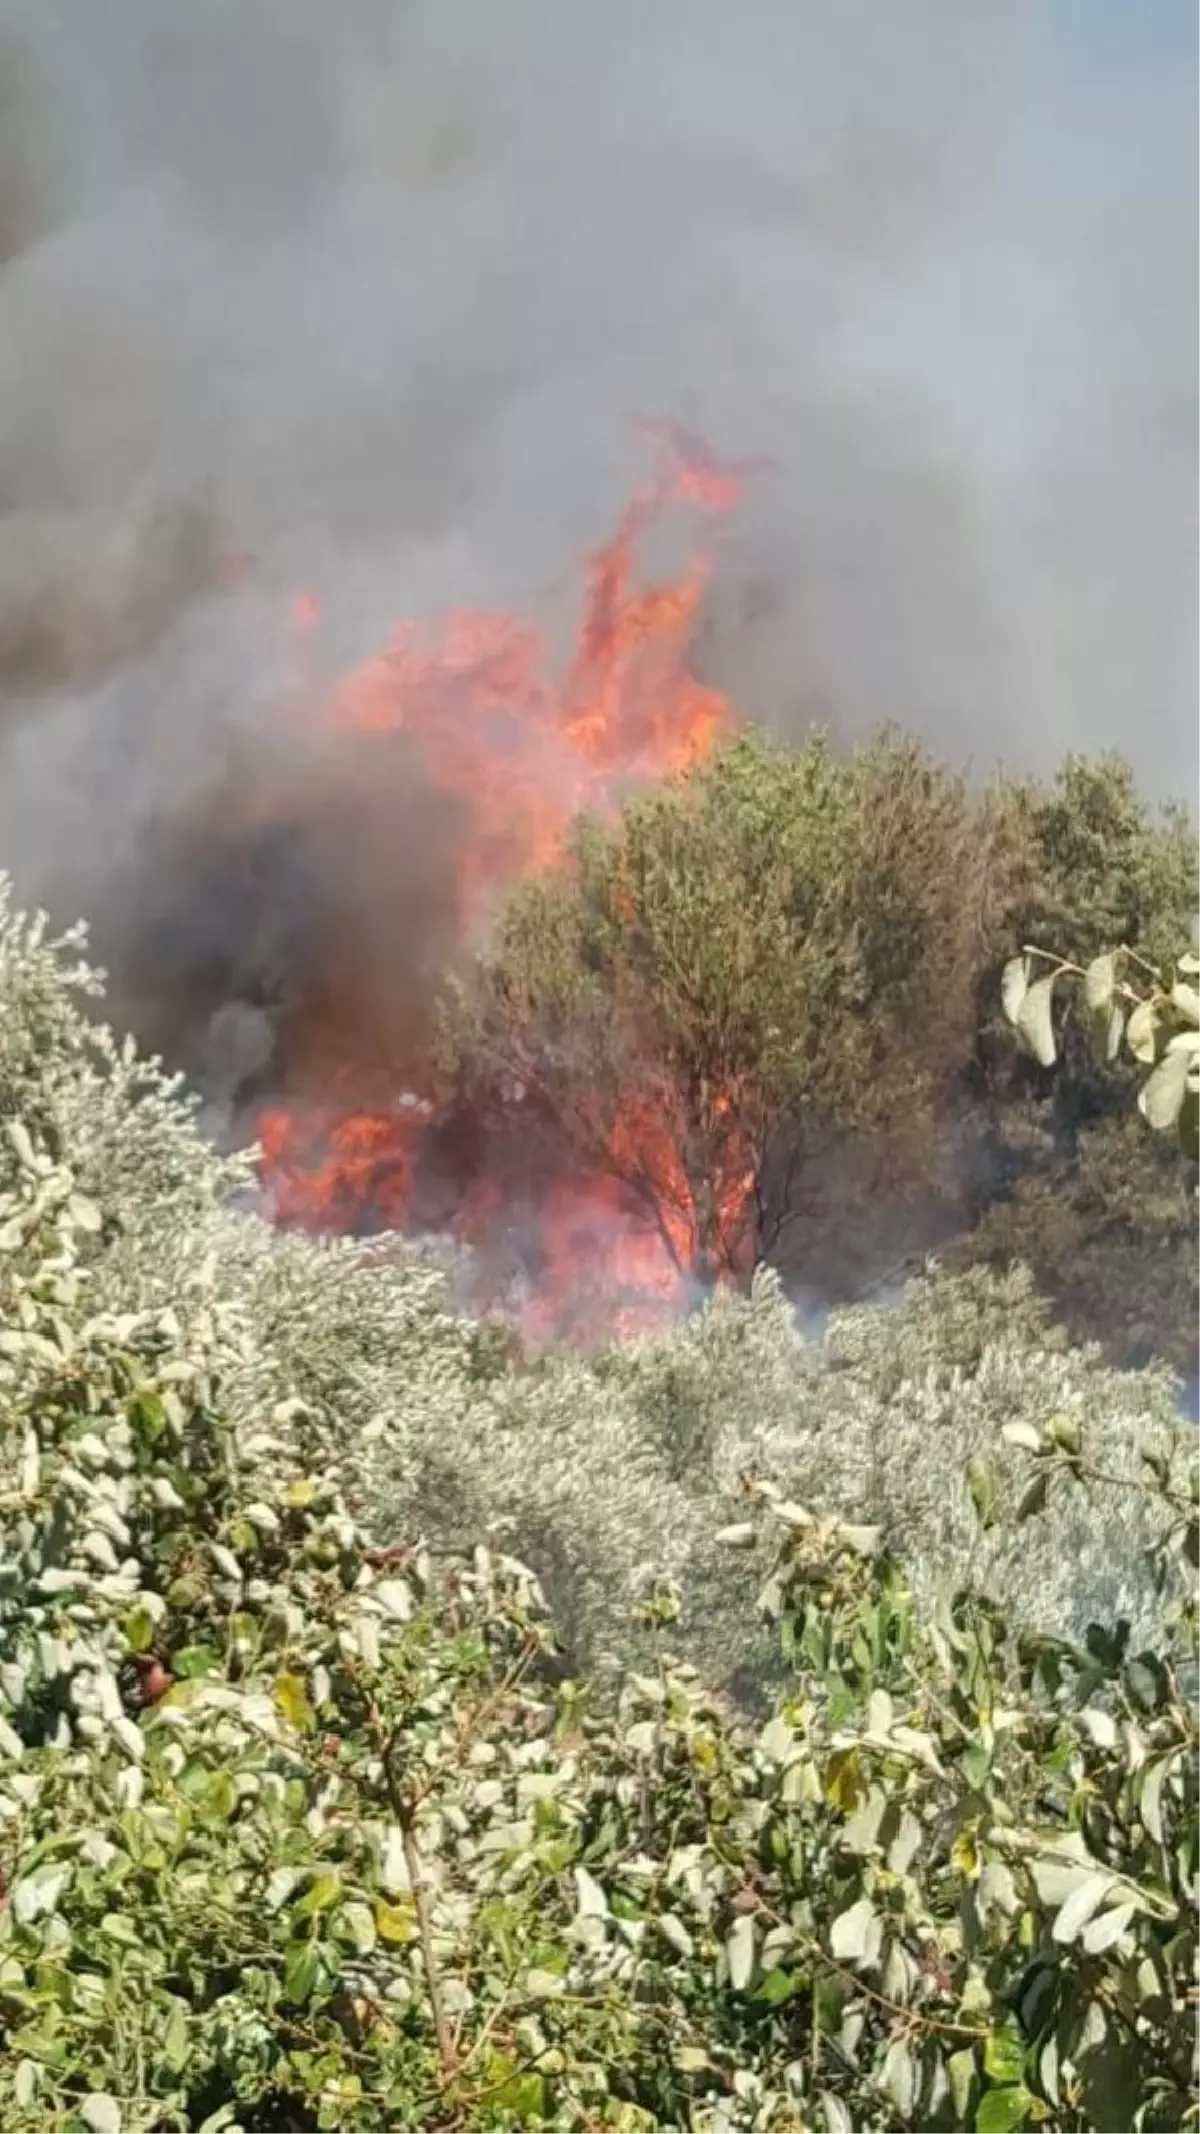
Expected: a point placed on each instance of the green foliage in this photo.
(1156, 1023)
(1067, 1187)
(294, 1830)
(301, 1824)
(736, 978)
(765, 1004)
(1093, 864)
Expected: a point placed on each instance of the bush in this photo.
(305, 1824)
(294, 1834)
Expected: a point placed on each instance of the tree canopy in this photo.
(734, 983)
(766, 1003)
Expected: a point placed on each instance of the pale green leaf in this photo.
(673, 1930)
(1101, 1933)
(590, 1899)
(1161, 1097)
(856, 1933)
(100, 2111)
(837, 2118)
(1074, 1913)
(1025, 1435)
(1141, 1033)
(740, 1948)
(982, 1483)
(962, 2076)
(1098, 981)
(899, 2076)
(1014, 983)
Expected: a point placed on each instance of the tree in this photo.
(1063, 1181)
(715, 997)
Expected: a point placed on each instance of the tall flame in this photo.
(521, 753)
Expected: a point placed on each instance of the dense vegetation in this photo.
(833, 1766)
(792, 957)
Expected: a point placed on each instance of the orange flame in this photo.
(523, 753)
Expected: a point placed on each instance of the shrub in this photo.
(295, 1832)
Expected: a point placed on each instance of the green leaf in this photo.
(300, 1968)
(1004, 2055)
(320, 1894)
(119, 1927)
(778, 1986)
(220, 1797)
(962, 2076)
(835, 2114)
(1000, 2110)
(396, 1923)
(355, 1922)
(174, 2042)
(1065, 1432)
(1150, 1799)
(148, 1416)
(193, 1661)
(291, 1698)
(984, 1488)
(524, 2098)
(1026, 1436)
(1141, 1032)
(139, 1630)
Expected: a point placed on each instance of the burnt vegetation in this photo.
(757, 1013)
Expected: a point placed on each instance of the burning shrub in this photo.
(720, 996)
(606, 1470)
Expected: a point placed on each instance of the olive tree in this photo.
(731, 984)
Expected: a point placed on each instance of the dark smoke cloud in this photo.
(368, 294)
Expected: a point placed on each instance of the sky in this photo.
(374, 293)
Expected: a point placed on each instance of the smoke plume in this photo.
(361, 301)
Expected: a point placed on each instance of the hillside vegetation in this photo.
(729, 1728)
(765, 1002)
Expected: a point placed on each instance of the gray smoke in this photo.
(362, 299)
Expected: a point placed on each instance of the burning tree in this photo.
(715, 995)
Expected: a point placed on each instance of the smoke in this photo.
(362, 300)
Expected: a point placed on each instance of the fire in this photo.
(521, 752)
